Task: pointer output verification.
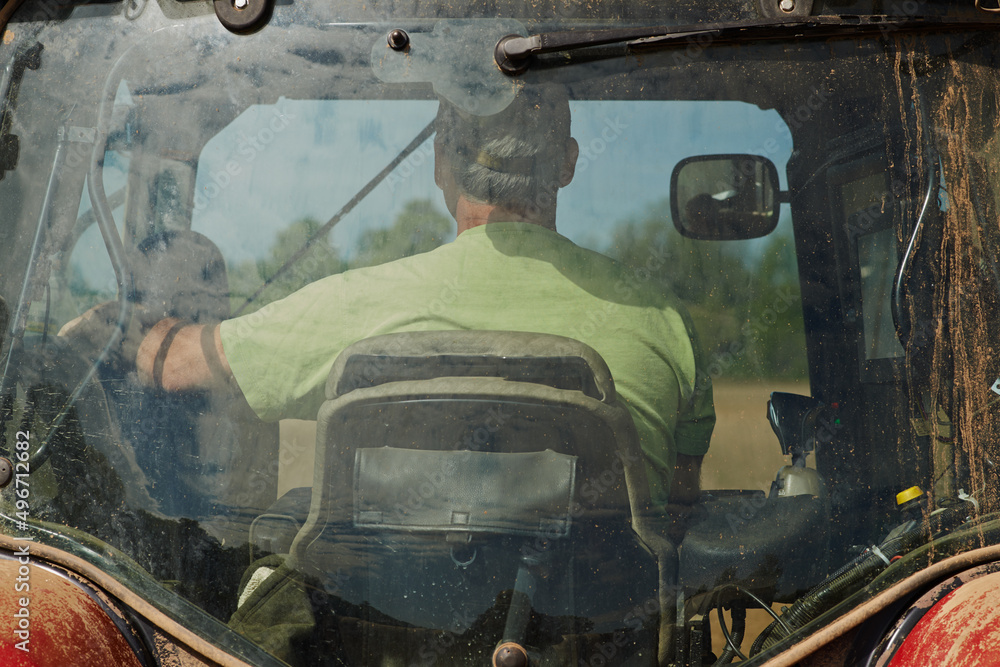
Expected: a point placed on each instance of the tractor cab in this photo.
(721, 388)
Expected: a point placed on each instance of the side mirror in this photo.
(725, 197)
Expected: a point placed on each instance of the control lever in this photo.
(796, 419)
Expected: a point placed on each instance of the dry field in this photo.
(744, 455)
(744, 452)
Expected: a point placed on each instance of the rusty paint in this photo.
(172, 640)
(962, 630)
(66, 625)
(174, 655)
(909, 619)
(824, 637)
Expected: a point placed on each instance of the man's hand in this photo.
(167, 353)
(90, 332)
(183, 357)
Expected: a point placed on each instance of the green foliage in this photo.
(319, 260)
(417, 229)
(743, 296)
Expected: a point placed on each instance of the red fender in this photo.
(962, 629)
(48, 619)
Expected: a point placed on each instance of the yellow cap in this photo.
(904, 497)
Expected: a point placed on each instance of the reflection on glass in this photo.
(878, 261)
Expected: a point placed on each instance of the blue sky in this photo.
(298, 159)
(279, 163)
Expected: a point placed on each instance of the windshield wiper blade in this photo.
(514, 54)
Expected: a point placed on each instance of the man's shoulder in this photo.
(642, 284)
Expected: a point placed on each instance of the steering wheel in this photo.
(92, 464)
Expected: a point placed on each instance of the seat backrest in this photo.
(450, 465)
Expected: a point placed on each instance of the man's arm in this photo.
(686, 486)
(179, 357)
(685, 490)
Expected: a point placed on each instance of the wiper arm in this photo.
(513, 53)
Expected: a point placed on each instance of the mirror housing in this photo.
(725, 197)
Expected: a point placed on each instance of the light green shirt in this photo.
(499, 276)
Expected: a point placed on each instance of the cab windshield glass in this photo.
(333, 339)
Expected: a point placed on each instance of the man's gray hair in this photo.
(511, 159)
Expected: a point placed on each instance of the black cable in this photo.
(6, 412)
(758, 643)
(767, 608)
(725, 631)
(45, 320)
(838, 585)
(732, 646)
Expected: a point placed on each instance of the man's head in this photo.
(514, 161)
